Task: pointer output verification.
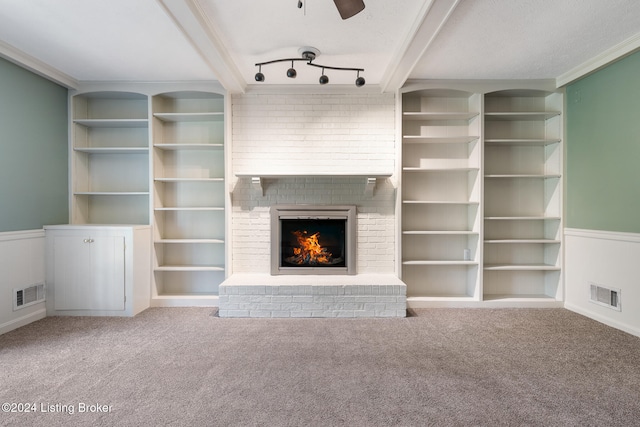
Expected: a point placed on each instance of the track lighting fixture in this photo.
(309, 54)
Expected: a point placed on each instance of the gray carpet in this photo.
(440, 367)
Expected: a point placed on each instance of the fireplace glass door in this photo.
(317, 243)
(312, 239)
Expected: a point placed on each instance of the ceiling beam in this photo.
(428, 23)
(190, 18)
(15, 55)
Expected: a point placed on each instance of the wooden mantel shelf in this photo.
(258, 179)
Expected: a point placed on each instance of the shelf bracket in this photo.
(258, 184)
(370, 186)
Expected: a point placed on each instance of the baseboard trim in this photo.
(602, 319)
(23, 321)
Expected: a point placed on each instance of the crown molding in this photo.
(18, 57)
(600, 61)
(150, 87)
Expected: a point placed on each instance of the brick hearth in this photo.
(364, 295)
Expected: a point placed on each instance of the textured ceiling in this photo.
(194, 40)
(526, 39)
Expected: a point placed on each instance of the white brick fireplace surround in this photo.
(313, 148)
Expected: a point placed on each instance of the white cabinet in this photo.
(110, 158)
(97, 270)
(189, 196)
(481, 194)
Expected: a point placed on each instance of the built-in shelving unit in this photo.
(110, 158)
(523, 195)
(189, 195)
(481, 194)
(441, 195)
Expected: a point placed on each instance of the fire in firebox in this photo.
(310, 252)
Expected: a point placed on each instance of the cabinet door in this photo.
(89, 273)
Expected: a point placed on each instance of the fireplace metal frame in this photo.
(302, 211)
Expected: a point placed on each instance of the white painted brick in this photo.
(284, 313)
(301, 313)
(259, 313)
(386, 299)
(236, 313)
(386, 313)
(348, 133)
(345, 313)
(364, 313)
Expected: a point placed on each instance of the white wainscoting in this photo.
(609, 259)
(21, 265)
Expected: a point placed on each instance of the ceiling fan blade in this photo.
(348, 8)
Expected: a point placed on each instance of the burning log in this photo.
(309, 250)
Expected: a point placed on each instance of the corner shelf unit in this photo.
(109, 158)
(481, 195)
(188, 195)
(441, 194)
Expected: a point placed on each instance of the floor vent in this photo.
(608, 297)
(28, 296)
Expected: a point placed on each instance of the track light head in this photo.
(259, 77)
(323, 79)
(360, 81)
(291, 72)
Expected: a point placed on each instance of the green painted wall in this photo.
(33, 150)
(603, 149)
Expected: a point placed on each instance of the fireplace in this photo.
(312, 239)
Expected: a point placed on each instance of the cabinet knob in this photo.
(88, 240)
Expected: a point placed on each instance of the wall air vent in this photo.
(608, 297)
(28, 296)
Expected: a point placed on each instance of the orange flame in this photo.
(309, 250)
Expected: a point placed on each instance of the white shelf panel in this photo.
(537, 241)
(189, 209)
(520, 267)
(515, 298)
(522, 218)
(189, 179)
(189, 241)
(532, 176)
(113, 123)
(112, 150)
(177, 147)
(440, 202)
(429, 116)
(439, 262)
(523, 141)
(189, 117)
(189, 268)
(439, 169)
(417, 139)
(521, 115)
(440, 233)
(111, 193)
